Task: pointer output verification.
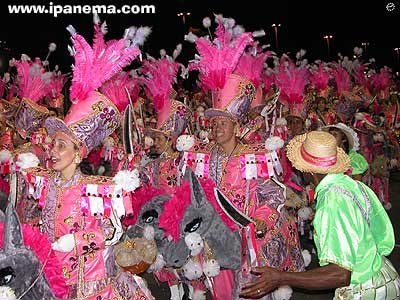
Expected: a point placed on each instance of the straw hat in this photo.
(316, 152)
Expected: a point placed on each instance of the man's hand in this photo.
(267, 281)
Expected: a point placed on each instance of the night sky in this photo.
(304, 23)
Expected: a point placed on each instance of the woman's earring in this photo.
(77, 159)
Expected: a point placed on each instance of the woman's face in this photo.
(295, 126)
(160, 143)
(222, 129)
(62, 154)
(321, 105)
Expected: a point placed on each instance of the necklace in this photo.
(219, 169)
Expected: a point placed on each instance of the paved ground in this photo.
(161, 292)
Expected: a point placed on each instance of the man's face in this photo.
(296, 126)
(160, 143)
(222, 129)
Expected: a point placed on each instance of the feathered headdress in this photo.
(218, 59)
(320, 79)
(342, 79)
(291, 81)
(93, 116)
(381, 81)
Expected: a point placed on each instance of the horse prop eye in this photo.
(6, 275)
(149, 216)
(193, 225)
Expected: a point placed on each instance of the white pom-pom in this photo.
(258, 33)
(5, 155)
(304, 213)
(274, 143)
(206, 22)
(190, 37)
(192, 270)
(281, 122)
(27, 160)
(284, 292)
(148, 142)
(184, 142)
(306, 257)
(158, 264)
(195, 243)
(7, 293)
(52, 47)
(128, 180)
(211, 268)
(148, 232)
(199, 295)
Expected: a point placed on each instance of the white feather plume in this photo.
(258, 33)
(206, 22)
(191, 37)
(177, 51)
(128, 180)
(52, 47)
(27, 160)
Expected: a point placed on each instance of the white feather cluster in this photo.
(274, 143)
(5, 155)
(284, 292)
(195, 243)
(184, 142)
(157, 265)
(206, 22)
(7, 293)
(148, 232)
(258, 33)
(192, 270)
(52, 47)
(211, 268)
(306, 257)
(190, 37)
(128, 180)
(199, 295)
(27, 160)
(12, 62)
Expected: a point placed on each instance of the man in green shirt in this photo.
(353, 233)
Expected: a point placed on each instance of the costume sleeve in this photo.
(336, 229)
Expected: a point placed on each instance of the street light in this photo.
(183, 15)
(275, 26)
(365, 45)
(328, 38)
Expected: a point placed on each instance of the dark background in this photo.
(303, 25)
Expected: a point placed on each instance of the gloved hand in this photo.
(65, 243)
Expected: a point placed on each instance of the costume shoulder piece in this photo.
(37, 181)
(104, 180)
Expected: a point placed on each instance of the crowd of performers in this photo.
(127, 172)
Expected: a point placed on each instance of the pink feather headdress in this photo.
(94, 66)
(159, 77)
(219, 58)
(291, 81)
(342, 79)
(251, 66)
(320, 78)
(31, 80)
(382, 80)
(56, 84)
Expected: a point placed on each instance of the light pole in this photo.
(328, 38)
(183, 15)
(365, 45)
(397, 56)
(275, 26)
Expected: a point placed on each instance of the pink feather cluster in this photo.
(31, 80)
(291, 81)
(56, 84)
(381, 80)
(219, 58)
(174, 210)
(342, 79)
(359, 75)
(39, 243)
(94, 66)
(251, 67)
(159, 77)
(269, 81)
(2, 87)
(114, 89)
(320, 78)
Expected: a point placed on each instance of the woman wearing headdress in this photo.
(81, 214)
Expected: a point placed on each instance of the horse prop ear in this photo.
(198, 195)
(12, 236)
